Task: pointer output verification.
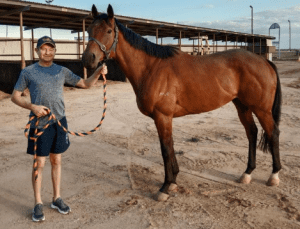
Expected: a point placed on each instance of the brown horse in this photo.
(169, 83)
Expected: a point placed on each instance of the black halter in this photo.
(102, 46)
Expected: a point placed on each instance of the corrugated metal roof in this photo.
(59, 17)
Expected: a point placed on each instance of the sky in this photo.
(234, 15)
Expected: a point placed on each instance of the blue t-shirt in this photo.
(46, 85)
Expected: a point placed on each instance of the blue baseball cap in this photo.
(45, 40)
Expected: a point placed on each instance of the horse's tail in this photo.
(264, 143)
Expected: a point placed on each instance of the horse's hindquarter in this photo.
(258, 83)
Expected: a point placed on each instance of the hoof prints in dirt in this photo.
(210, 159)
(285, 204)
(182, 210)
(144, 180)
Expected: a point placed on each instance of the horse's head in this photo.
(103, 38)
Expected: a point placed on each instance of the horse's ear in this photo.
(110, 12)
(94, 11)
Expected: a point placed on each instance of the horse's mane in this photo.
(138, 42)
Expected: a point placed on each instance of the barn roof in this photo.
(37, 15)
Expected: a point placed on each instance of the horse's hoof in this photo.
(162, 196)
(245, 178)
(273, 180)
(173, 188)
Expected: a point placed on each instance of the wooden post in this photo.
(161, 41)
(214, 39)
(202, 49)
(179, 41)
(23, 64)
(193, 46)
(237, 38)
(32, 44)
(226, 43)
(78, 39)
(260, 46)
(156, 35)
(83, 47)
(253, 46)
(199, 52)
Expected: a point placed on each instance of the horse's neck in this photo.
(134, 63)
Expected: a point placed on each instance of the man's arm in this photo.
(89, 82)
(38, 110)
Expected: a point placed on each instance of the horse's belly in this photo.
(201, 104)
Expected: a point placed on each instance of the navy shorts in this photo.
(53, 140)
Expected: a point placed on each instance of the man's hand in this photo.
(89, 82)
(39, 110)
(103, 70)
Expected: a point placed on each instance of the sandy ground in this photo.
(110, 178)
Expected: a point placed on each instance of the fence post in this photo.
(23, 64)
(83, 47)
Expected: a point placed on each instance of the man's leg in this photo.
(55, 160)
(57, 202)
(44, 143)
(38, 214)
(37, 184)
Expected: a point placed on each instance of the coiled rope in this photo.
(52, 117)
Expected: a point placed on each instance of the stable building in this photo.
(16, 54)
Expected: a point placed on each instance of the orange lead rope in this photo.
(52, 116)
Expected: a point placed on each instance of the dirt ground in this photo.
(110, 178)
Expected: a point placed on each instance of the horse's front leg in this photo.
(164, 127)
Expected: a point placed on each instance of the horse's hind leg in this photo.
(246, 118)
(272, 137)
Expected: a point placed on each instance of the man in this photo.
(45, 81)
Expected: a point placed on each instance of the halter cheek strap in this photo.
(102, 46)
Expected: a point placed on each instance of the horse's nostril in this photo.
(94, 57)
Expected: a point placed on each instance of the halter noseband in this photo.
(102, 46)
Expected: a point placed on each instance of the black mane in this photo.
(138, 42)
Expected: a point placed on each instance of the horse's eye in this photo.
(109, 31)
